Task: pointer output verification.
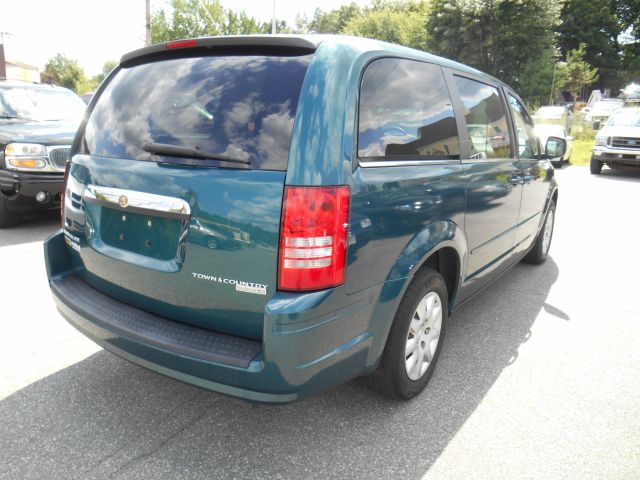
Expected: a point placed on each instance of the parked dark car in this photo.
(345, 169)
(37, 125)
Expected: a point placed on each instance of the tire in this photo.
(540, 250)
(595, 166)
(7, 217)
(394, 376)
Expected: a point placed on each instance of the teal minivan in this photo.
(270, 216)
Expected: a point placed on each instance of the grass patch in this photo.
(581, 154)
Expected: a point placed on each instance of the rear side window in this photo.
(241, 107)
(527, 140)
(405, 111)
(486, 119)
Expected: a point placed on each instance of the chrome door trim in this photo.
(405, 163)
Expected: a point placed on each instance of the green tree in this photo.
(198, 18)
(610, 31)
(106, 70)
(400, 23)
(67, 73)
(537, 79)
(335, 20)
(500, 37)
(577, 72)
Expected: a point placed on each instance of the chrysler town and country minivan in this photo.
(270, 216)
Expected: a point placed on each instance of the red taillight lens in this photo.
(62, 193)
(313, 237)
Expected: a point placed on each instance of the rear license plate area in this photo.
(148, 235)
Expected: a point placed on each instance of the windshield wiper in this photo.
(188, 152)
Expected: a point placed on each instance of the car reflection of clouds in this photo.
(133, 123)
(399, 108)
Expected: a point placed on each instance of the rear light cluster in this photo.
(313, 237)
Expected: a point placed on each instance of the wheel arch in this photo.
(441, 246)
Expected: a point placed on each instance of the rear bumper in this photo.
(303, 350)
(20, 189)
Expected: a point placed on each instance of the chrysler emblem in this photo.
(631, 142)
(123, 201)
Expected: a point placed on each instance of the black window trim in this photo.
(462, 125)
(402, 161)
(512, 124)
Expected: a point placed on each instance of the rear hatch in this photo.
(174, 194)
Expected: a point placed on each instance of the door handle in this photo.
(140, 202)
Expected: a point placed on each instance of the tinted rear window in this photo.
(238, 106)
(405, 111)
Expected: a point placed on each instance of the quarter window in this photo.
(527, 140)
(486, 119)
(405, 111)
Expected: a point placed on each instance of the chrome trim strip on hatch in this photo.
(140, 202)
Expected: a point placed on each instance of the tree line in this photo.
(529, 44)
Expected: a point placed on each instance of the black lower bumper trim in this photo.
(123, 319)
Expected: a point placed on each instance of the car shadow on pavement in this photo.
(104, 417)
(628, 174)
(33, 228)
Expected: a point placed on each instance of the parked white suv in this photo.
(618, 143)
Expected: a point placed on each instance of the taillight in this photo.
(181, 44)
(313, 237)
(62, 193)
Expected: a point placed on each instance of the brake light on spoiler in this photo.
(313, 237)
(182, 44)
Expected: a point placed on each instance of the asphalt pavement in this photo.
(539, 378)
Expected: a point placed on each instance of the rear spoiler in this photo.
(291, 44)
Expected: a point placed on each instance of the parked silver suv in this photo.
(618, 143)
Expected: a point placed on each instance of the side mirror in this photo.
(596, 125)
(555, 147)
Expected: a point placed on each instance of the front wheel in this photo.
(538, 254)
(415, 339)
(595, 166)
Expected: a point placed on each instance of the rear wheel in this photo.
(595, 166)
(538, 254)
(415, 339)
(7, 218)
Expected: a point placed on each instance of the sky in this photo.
(93, 31)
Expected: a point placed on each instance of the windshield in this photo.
(40, 104)
(236, 107)
(606, 106)
(625, 118)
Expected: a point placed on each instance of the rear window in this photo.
(241, 107)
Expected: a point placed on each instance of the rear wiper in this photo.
(187, 152)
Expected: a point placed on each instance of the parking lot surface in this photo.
(539, 378)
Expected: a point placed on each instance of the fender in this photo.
(431, 239)
(434, 237)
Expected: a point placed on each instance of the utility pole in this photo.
(553, 83)
(273, 19)
(147, 24)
